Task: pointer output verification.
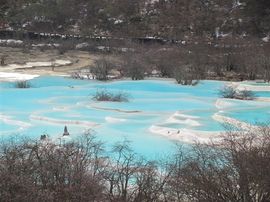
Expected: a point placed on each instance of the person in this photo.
(43, 137)
(66, 133)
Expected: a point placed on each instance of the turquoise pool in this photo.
(54, 102)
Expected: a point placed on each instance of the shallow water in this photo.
(54, 102)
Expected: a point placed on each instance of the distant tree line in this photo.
(234, 169)
(235, 59)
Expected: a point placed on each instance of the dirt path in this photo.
(79, 60)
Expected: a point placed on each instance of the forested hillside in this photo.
(171, 19)
(200, 39)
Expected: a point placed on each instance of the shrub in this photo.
(232, 93)
(135, 66)
(64, 47)
(185, 76)
(227, 92)
(245, 95)
(22, 84)
(101, 68)
(106, 96)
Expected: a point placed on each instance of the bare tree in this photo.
(51, 172)
(186, 75)
(135, 66)
(120, 172)
(101, 68)
(265, 67)
(235, 169)
(3, 60)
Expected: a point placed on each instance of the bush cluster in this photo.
(232, 93)
(22, 84)
(105, 96)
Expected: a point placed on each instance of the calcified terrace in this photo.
(159, 112)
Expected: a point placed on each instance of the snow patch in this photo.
(114, 120)
(5, 76)
(40, 64)
(11, 42)
(82, 45)
(63, 122)
(186, 135)
(234, 122)
(10, 121)
(223, 103)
